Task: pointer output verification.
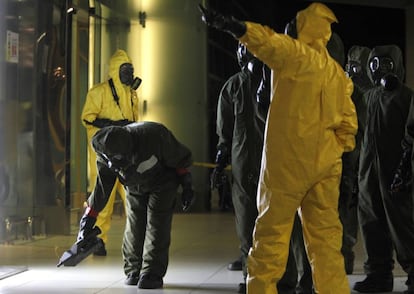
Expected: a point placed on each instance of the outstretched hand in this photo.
(211, 18)
(218, 178)
(217, 20)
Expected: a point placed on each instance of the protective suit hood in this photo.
(118, 58)
(359, 55)
(314, 25)
(336, 49)
(112, 140)
(392, 51)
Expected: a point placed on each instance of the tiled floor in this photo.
(202, 245)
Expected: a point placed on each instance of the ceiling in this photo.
(376, 3)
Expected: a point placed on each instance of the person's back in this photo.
(311, 122)
(306, 107)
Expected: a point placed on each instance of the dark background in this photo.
(358, 25)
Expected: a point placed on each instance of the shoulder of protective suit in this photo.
(99, 89)
(234, 81)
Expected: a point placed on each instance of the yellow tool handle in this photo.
(209, 165)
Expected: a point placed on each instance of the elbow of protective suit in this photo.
(347, 142)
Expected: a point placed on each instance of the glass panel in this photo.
(33, 111)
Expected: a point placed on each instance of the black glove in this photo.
(227, 24)
(218, 177)
(403, 176)
(86, 226)
(106, 122)
(187, 195)
(187, 198)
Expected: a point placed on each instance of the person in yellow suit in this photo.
(111, 103)
(311, 122)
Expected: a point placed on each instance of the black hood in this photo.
(392, 51)
(336, 48)
(359, 55)
(112, 140)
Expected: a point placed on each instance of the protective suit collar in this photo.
(314, 25)
(392, 51)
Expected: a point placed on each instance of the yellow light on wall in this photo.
(91, 53)
(151, 67)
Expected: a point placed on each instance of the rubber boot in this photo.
(235, 265)
(410, 285)
(375, 283)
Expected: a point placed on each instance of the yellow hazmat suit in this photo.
(311, 122)
(100, 104)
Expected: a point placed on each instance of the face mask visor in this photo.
(126, 74)
(353, 69)
(117, 162)
(382, 64)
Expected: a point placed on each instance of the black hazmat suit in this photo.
(241, 132)
(151, 181)
(386, 220)
(356, 69)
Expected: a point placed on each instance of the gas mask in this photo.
(353, 69)
(390, 82)
(126, 75)
(114, 145)
(243, 55)
(291, 30)
(380, 66)
(357, 73)
(117, 162)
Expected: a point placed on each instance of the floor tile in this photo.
(202, 245)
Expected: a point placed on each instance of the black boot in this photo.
(242, 288)
(150, 281)
(375, 283)
(235, 265)
(101, 251)
(410, 285)
(132, 279)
